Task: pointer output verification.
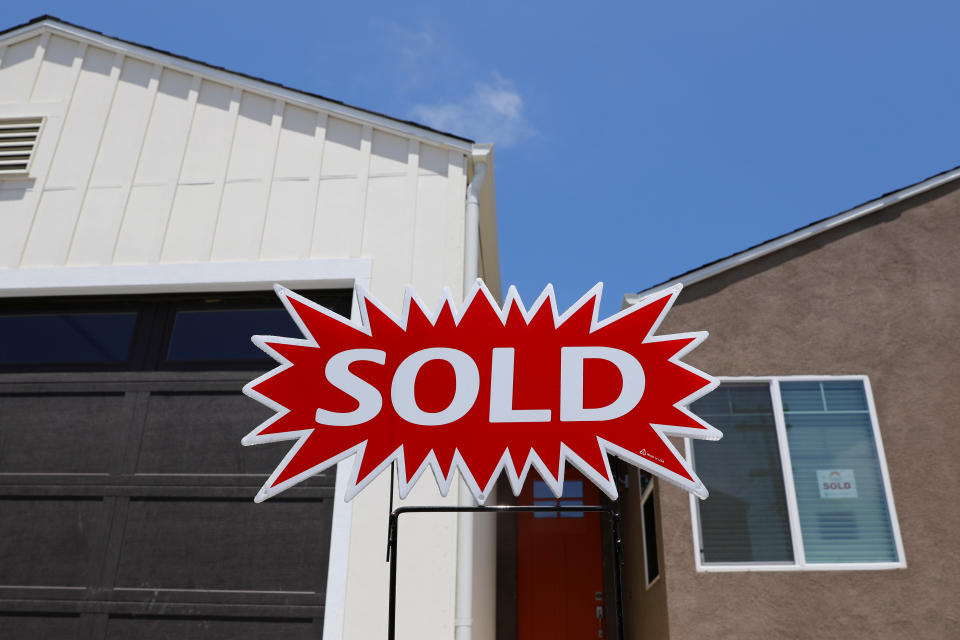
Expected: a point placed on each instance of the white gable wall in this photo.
(144, 161)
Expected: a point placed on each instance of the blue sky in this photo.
(634, 141)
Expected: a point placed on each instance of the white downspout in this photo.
(463, 613)
(471, 240)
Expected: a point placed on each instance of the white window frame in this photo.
(646, 495)
(799, 562)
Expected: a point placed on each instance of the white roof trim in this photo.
(233, 79)
(799, 235)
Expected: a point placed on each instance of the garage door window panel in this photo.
(45, 338)
(209, 335)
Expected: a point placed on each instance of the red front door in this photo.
(559, 564)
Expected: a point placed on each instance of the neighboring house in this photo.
(832, 509)
(148, 203)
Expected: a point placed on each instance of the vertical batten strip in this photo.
(454, 218)
(84, 187)
(44, 172)
(320, 138)
(37, 62)
(363, 183)
(3, 52)
(221, 181)
(411, 185)
(174, 181)
(128, 188)
(275, 126)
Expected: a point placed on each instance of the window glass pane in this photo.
(543, 497)
(750, 400)
(573, 489)
(802, 396)
(572, 495)
(224, 334)
(571, 503)
(745, 518)
(541, 490)
(845, 396)
(836, 472)
(650, 539)
(76, 337)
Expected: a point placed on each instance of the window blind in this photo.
(836, 469)
(745, 518)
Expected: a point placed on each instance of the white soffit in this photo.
(236, 79)
(771, 246)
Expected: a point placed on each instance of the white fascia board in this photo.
(799, 235)
(167, 278)
(247, 84)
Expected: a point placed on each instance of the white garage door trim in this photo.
(170, 278)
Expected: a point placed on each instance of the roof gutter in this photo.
(799, 235)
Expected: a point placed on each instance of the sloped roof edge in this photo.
(798, 235)
(326, 103)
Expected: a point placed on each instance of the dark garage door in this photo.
(126, 504)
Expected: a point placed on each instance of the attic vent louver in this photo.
(18, 139)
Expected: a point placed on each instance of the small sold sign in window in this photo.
(836, 483)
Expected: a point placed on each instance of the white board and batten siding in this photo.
(141, 162)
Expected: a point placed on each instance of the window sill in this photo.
(837, 566)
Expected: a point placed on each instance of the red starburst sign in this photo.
(484, 389)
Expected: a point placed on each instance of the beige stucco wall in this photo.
(646, 607)
(878, 297)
